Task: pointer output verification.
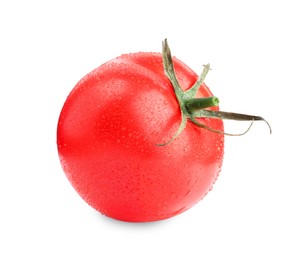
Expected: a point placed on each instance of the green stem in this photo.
(230, 116)
(169, 69)
(192, 107)
(195, 104)
(193, 90)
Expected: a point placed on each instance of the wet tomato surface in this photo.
(107, 137)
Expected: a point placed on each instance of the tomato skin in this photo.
(107, 137)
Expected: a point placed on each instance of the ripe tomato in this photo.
(107, 137)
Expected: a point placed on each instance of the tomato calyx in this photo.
(192, 108)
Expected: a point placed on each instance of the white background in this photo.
(257, 51)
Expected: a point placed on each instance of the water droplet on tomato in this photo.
(173, 194)
(187, 194)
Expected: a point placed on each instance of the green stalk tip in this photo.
(195, 104)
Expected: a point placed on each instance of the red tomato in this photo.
(108, 133)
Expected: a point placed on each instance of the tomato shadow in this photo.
(139, 225)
